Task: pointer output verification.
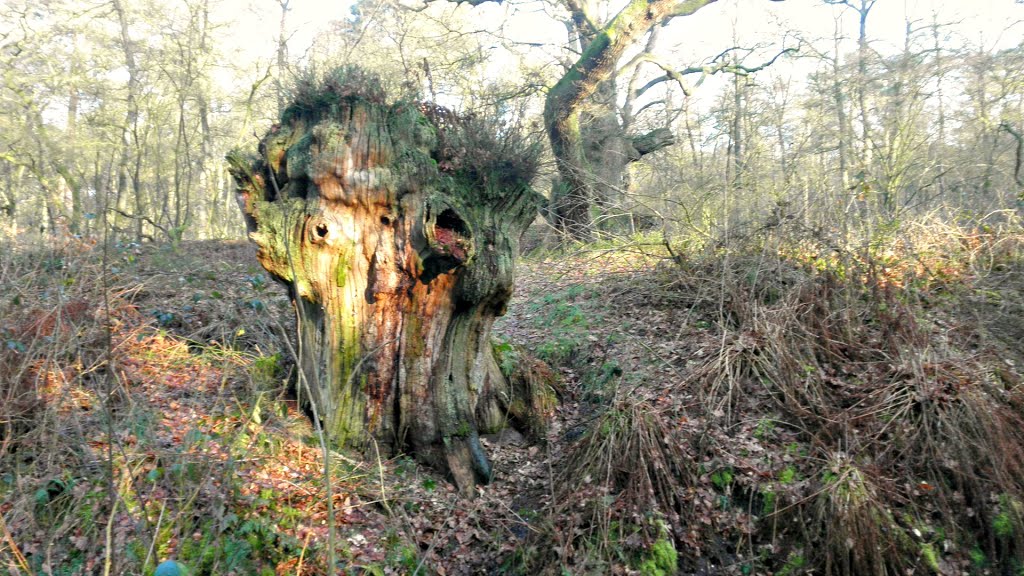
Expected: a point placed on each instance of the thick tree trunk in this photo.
(564, 104)
(395, 230)
(608, 150)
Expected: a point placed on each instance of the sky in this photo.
(992, 23)
(974, 19)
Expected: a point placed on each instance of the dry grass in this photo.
(771, 406)
(893, 395)
(845, 415)
(617, 494)
(141, 420)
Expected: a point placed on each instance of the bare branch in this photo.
(470, 2)
(718, 64)
(670, 74)
(581, 16)
(1019, 152)
(143, 218)
(687, 7)
(653, 141)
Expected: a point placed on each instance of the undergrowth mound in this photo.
(822, 412)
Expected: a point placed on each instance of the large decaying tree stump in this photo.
(395, 227)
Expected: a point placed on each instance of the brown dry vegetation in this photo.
(770, 405)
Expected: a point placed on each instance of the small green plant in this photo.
(765, 428)
(559, 351)
(769, 499)
(1002, 525)
(788, 475)
(258, 282)
(597, 379)
(463, 430)
(568, 316)
(978, 559)
(569, 325)
(722, 478)
(794, 562)
(163, 317)
(267, 371)
(507, 356)
(930, 557)
(662, 559)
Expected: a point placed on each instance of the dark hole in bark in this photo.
(451, 235)
(449, 220)
(385, 220)
(448, 249)
(300, 187)
(321, 230)
(435, 265)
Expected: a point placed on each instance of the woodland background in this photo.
(789, 343)
(133, 106)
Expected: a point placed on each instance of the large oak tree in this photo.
(593, 139)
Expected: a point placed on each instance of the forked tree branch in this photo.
(718, 64)
(143, 218)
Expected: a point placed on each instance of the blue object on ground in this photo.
(170, 568)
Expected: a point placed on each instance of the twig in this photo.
(380, 472)
(14, 547)
(111, 376)
(108, 561)
(156, 535)
(143, 218)
(302, 554)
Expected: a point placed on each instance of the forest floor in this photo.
(776, 408)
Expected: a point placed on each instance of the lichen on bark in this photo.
(395, 228)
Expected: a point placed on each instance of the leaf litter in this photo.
(714, 422)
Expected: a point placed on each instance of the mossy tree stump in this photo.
(394, 227)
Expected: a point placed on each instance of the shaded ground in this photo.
(716, 418)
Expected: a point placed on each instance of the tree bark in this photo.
(567, 98)
(282, 55)
(129, 132)
(395, 230)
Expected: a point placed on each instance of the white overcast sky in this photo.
(992, 24)
(975, 20)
